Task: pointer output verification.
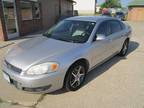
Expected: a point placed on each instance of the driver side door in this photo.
(101, 49)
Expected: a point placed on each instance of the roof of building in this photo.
(89, 18)
(136, 3)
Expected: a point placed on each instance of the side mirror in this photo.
(100, 37)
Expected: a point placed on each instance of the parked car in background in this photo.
(65, 54)
(107, 14)
(121, 16)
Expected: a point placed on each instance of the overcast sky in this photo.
(124, 2)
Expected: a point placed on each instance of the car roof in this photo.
(90, 18)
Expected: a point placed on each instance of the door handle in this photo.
(123, 35)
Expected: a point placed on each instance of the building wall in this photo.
(51, 11)
(27, 26)
(1, 31)
(66, 7)
(2, 26)
(136, 14)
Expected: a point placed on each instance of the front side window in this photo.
(115, 26)
(122, 25)
(71, 31)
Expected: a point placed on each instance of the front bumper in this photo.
(42, 83)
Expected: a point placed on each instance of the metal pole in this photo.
(95, 6)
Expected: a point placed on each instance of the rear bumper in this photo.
(42, 83)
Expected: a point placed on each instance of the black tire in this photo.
(72, 77)
(124, 49)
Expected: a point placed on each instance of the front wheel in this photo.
(124, 49)
(75, 77)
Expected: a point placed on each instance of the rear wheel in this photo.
(124, 49)
(75, 77)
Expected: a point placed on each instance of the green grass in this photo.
(1, 101)
(0, 73)
(14, 103)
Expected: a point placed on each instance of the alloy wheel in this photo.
(77, 77)
(125, 48)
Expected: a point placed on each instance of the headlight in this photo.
(43, 68)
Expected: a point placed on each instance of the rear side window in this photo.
(115, 26)
(103, 29)
(122, 25)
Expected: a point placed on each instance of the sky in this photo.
(124, 2)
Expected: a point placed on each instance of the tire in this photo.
(75, 77)
(124, 49)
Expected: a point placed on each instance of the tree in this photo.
(111, 4)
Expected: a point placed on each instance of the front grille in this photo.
(13, 68)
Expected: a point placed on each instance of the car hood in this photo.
(35, 50)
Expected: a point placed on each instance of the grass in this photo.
(1, 101)
(0, 73)
(14, 103)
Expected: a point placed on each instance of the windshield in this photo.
(120, 13)
(71, 31)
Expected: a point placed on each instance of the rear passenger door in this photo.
(115, 36)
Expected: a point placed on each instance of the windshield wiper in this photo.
(65, 40)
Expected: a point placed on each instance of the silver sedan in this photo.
(64, 55)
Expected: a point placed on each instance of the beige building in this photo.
(136, 10)
(85, 6)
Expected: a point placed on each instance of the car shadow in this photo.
(103, 68)
(108, 64)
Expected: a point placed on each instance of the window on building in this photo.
(36, 10)
(26, 10)
(30, 9)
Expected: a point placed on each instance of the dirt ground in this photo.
(118, 83)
